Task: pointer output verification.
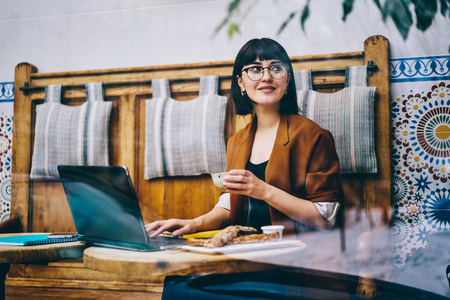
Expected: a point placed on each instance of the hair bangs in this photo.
(263, 50)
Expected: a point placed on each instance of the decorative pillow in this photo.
(349, 115)
(184, 138)
(70, 135)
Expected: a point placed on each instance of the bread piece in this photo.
(226, 235)
(221, 238)
(254, 238)
(197, 242)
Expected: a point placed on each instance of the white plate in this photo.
(245, 247)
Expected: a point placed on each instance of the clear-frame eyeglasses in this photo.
(255, 73)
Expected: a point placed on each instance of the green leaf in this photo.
(304, 16)
(233, 28)
(222, 24)
(231, 10)
(384, 10)
(377, 3)
(445, 4)
(348, 7)
(233, 6)
(399, 11)
(425, 13)
(286, 22)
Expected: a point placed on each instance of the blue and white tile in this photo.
(6, 93)
(6, 120)
(420, 110)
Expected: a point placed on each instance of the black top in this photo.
(258, 210)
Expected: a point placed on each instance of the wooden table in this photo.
(35, 254)
(181, 262)
(318, 284)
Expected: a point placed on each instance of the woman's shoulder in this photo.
(241, 133)
(301, 126)
(299, 122)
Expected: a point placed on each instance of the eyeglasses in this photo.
(255, 73)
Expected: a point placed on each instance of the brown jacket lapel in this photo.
(277, 171)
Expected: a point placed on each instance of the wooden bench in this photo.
(40, 204)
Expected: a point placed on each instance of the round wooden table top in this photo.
(40, 253)
(182, 262)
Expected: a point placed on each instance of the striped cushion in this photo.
(349, 115)
(70, 135)
(185, 138)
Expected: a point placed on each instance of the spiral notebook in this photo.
(32, 240)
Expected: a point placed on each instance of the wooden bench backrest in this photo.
(41, 204)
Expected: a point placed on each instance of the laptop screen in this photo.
(103, 203)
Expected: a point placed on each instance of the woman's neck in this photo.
(265, 135)
(267, 119)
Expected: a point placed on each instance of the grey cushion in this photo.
(70, 135)
(349, 115)
(185, 138)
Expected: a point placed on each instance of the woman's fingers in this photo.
(154, 225)
(239, 172)
(159, 227)
(236, 185)
(239, 180)
(183, 230)
(239, 176)
(244, 182)
(177, 226)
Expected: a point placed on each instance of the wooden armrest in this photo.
(12, 225)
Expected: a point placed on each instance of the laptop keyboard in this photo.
(166, 242)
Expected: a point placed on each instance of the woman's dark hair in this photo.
(264, 49)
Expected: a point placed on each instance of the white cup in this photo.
(273, 228)
(218, 180)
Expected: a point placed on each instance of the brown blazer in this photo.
(303, 163)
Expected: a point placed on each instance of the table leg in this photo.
(4, 269)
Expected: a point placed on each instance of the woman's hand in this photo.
(246, 183)
(179, 226)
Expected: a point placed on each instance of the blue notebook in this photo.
(31, 240)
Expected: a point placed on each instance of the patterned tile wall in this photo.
(420, 120)
(6, 121)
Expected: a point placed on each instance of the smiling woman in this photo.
(283, 168)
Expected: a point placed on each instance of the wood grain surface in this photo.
(181, 262)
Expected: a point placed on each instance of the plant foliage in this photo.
(402, 12)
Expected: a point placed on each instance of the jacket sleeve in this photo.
(322, 178)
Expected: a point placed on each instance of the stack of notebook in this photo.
(34, 239)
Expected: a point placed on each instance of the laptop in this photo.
(106, 211)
